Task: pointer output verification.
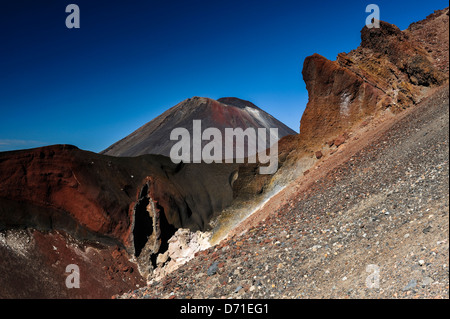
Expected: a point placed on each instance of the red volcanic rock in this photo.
(432, 34)
(92, 196)
(402, 51)
(134, 203)
(34, 263)
(339, 141)
(338, 98)
(318, 154)
(388, 70)
(62, 187)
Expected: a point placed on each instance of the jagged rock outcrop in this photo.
(432, 34)
(337, 98)
(389, 70)
(154, 137)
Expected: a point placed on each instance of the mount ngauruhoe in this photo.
(154, 137)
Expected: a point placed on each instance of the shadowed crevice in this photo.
(143, 223)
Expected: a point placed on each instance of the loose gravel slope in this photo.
(384, 212)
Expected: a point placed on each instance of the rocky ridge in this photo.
(389, 71)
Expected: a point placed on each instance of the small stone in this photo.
(162, 258)
(339, 141)
(427, 229)
(238, 289)
(427, 281)
(412, 284)
(212, 270)
(223, 280)
(421, 262)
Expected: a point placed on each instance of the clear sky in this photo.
(131, 60)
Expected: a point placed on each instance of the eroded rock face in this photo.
(93, 196)
(337, 99)
(406, 58)
(151, 231)
(62, 187)
(389, 70)
(134, 204)
(433, 35)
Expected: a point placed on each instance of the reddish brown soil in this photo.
(34, 266)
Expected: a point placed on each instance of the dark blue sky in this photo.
(132, 60)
